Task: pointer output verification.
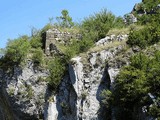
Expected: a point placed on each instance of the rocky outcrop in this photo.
(111, 38)
(79, 94)
(130, 19)
(24, 91)
(51, 112)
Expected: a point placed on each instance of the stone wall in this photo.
(54, 35)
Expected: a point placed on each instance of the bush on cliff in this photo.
(97, 25)
(16, 51)
(57, 68)
(149, 35)
(37, 57)
(136, 86)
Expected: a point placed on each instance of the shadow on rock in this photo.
(103, 113)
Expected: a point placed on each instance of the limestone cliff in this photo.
(25, 95)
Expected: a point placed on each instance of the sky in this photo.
(19, 16)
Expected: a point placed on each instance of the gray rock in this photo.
(136, 49)
(27, 94)
(78, 96)
(51, 111)
(111, 38)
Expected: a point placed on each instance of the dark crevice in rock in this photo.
(104, 85)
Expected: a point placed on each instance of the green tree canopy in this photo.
(17, 50)
(138, 85)
(65, 20)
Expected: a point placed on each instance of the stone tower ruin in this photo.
(51, 36)
(50, 39)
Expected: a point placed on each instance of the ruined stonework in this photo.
(52, 36)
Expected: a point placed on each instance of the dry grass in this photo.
(61, 47)
(116, 31)
(107, 45)
(73, 30)
(84, 55)
(126, 30)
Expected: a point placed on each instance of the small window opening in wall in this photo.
(51, 47)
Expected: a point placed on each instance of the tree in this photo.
(2, 50)
(97, 25)
(15, 53)
(36, 41)
(65, 20)
(146, 36)
(37, 57)
(136, 86)
(57, 68)
(17, 50)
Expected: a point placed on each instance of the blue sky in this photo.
(19, 16)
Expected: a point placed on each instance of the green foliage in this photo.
(144, 20)
(149, 5)
(16, 51)
(65, 20)
(92, 29)
(97, 26)
(37, 57)
(77, 47)
(107, 97)
(36, 42)
(150, 11)
(119, 23)
(129, 86)
(133, 86)
(140, 61)
(137, 38)
(46, 27)
(149, 35)
(57, 68)
(29, 91)
(2, 50)
(155, 110)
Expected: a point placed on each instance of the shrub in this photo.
(136, 86)
(140, 61)
(30, 91)
(77, 47)
(45, 28)
(17, 50)
(144, 37)
(119, 23)
(150, 11)
(57, 68)
(137, 38)
(99, 24)
(37, 57)
(65, 20)
(36, 42)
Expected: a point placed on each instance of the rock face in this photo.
(24, 92)
(79, 95)
(51, 112)
(111, 38)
